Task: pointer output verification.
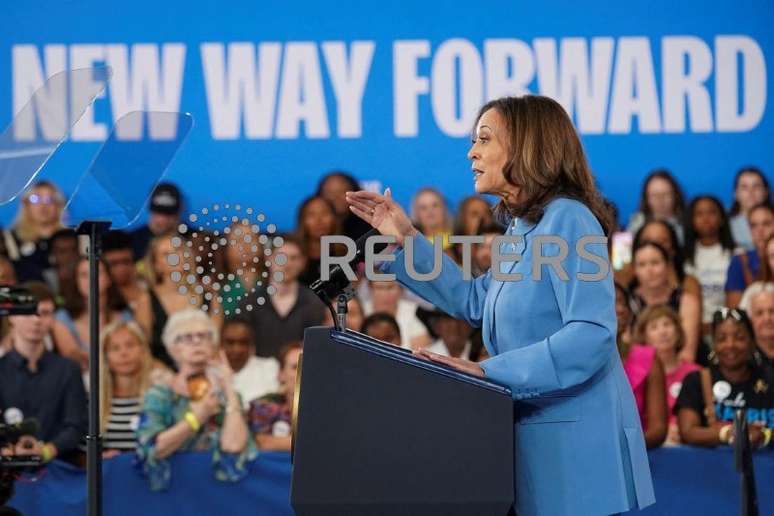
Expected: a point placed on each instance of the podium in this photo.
(379, 431)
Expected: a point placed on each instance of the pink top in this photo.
(637, 366)
(674, 382)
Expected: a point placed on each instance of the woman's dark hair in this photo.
(735, 207)
(762, 206)
(648, 243)
(724, 231)
(239, 321)
(76, 304)
(459, 223)
(300, 232)
(546, 159)
(664, 174)
(736, 314)
(488, 229)
(379, 317)
(676, 259)
(354, 186)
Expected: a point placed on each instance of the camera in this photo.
(11, 466)
(15, 301)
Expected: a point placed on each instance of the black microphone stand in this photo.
(744, 465)
(94, 229)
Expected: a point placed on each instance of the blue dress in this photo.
(579, 445)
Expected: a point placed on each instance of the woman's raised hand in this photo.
(382, 212)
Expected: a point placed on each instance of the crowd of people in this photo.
(694, 301)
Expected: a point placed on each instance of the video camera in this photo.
(16, 301)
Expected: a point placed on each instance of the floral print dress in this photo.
(162, 409)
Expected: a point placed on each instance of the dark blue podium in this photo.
(381, 432)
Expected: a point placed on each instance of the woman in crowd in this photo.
(333, 187)
(709, 398)
(39, 217)
(386, 296)
(382, 326)
(661, 199)
(72, 336)
(270, 415)
(744, 268)
(751, 188)
(765, 277)
(316, 218)
(197, 408)
(473, 214)
(662, 233)
(127, 367)
(162, 261)
(119, 258)
(254, 376)
(659, 327)
(708, 250)
(645, 374)
(652, 286)
(431, 216)
(244, 267)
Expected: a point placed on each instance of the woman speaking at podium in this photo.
(550, 334)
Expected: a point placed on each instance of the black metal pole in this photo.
(94, 451)
(94, 230)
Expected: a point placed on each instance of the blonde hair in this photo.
(143, 377)
(447, 218)
(650, 314)
(25, 227)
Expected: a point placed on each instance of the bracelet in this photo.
(46, 453)
(766, 437)
(724, 434)
(232, 407)
(192, 420)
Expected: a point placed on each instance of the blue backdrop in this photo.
(283, 92)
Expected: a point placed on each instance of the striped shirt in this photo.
(121, 431)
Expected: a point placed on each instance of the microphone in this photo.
(12, 432)
(337, 281)
(17, 301)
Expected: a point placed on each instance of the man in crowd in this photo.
(289, 309)
(166, 206)
(36, 383)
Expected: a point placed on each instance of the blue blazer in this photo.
(578, 439)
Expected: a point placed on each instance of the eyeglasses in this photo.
(42, 199)
(195, 336)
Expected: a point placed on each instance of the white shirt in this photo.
(710, 267)
(440, 348)
(408, 322)
(257, 378)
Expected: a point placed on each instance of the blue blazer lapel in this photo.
(519, 227)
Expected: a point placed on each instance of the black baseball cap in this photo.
(166, 199)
